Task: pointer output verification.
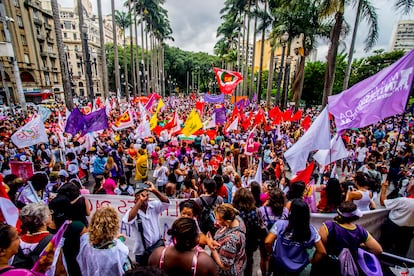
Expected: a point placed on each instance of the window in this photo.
(19, 21)
(55, 77)
(74, 36)
(23, 38)
(47, 78)
(67, 25)
(50, 48)
(26, 58)
(16, 3)
(65, 35)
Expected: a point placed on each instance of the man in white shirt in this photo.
(147, 212)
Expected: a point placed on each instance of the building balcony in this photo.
(52, 55)
(55, 69)
(48, 26)
(40, 37)
(50, 40)
(45, 68)
(43, 54)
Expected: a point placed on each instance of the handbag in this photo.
(262, 227)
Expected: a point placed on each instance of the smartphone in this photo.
(350, 188)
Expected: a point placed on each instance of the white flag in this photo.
(317, 137)
(30, 134)
(107, 107)
(336, 152)
(143, 130)
(258, 176)
(233, 125)
(211, 123)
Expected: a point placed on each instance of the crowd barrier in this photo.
(371, 220)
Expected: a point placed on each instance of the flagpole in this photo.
(402, 119)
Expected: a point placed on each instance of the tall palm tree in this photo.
(64, 70)
(369, 13)
(123, 21)
(116, 58)
(104, 68)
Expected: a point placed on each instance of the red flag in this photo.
(259, 118)
(304, 175)
(275, 113)
(287, 115)
(297, 116)
(171, 123)
(200, 107)
(234, 113)
(157, 130)
(211, 133)
(227, 80)
(306, 123)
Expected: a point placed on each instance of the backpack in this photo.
(124, 191)
(27, 261)
(374, 181)
(269, 222)
(207, 218)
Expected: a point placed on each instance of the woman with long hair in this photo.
(342, 233)
(184, 257)
(361, 196)
(189, 189)
(230, 255)
(331, 196)
(112, 167)
(244, 201)
(272, 210)
(296, 236)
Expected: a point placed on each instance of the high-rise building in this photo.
(403, 36)
(33, 39)
(72, 38)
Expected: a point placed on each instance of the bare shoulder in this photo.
(206, 265)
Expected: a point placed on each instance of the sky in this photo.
(194, 24)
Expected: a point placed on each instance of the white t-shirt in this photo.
(401, 210)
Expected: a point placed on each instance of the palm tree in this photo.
(116, 58)
(369, 13)
(123, 20)
(104, 68)
(67, 89)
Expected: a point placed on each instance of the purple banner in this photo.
(220, 115)
(375, 98)
(214, 98)
(95, 121)
(75, 122)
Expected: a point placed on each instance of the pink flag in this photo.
(375, 98)
(250, 148)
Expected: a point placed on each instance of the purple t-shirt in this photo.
(340, 237)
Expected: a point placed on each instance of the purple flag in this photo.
(150, 102)
(75, 122)
(254, 99)
(375, 98)
(214, 98)
(95, 121)
(220, 115)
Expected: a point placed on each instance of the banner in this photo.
(30, 134)
(375, 98)
(372, 220)
(227, 80)
(214, 98)
(22, 169)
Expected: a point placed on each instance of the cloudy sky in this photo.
(194, 24)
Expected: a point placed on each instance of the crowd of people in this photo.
(227, 212)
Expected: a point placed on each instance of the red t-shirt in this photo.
(223, 192)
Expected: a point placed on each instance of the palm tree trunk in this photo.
(132, 55)
(104, 69)
(147, 66)
(254, 54)
(145, 84)
(331, 59)
(116, 58)
(125, 70)
(351, 47)
(297, 85)
(259, 78)
(270, 78)
(137, 59)
(246, 58)
(64, 70)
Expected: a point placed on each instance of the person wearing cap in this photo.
(397, 231)
(145, 215)
(342, 233)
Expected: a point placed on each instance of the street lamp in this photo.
(284, 39)
(286, 81)
(88, 62)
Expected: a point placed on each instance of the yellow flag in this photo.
(160, 105)
(192, 124)
(154, 121)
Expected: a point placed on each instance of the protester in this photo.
(102, 250)
(343, 233)
(183, 257)
(230, 256)
(143, 219)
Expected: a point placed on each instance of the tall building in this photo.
(403, 36)
(33, 39)
(72, 38)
